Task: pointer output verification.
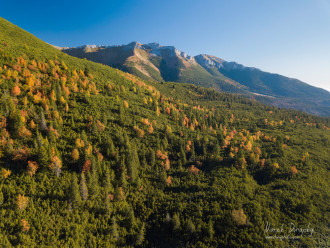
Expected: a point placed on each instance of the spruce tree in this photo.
(1, 197)
(84, 137)
(131, 219)
(152, 157)
(75, 196)
(43, 124)
(110, 148)
(57, 168)
(43, 158)
(58, 93)
(210, 229)
(114, 228)
(140, 236)
(175, 222)
(122, 178)
(133, 163)
(93, 180)
(121, 111)
(162, 176)
(216, 150)
(107, 181)
(83, 187)
(183, 155)
(106, 203)
(190, 226)
(127, 142)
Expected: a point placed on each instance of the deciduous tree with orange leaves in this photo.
(239, 217)
(16, 91)
(32, 168)
(193, 170)
(25, 225)
(169, 180)
(22, 202)
(293, 170)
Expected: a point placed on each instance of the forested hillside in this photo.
(91, 156)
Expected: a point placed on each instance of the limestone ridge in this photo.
(155, 62)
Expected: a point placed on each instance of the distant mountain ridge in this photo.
(155, 62)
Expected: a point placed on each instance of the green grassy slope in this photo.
(199, 76)
(273, 84)
(91, 156)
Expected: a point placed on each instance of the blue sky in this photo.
(289, 37)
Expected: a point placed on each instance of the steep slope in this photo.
(155, 62)
(165, 63)
(271, 88)
(262, 82)
(91, 156)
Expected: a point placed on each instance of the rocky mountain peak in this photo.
(209, 61)
(134, 45)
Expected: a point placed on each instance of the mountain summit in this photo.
(155, 62)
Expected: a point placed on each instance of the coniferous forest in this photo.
(91, 156)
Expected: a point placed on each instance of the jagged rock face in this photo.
(209, 61)
(156, 49)
(153, 61)
(152, 48)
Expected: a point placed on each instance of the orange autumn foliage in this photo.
(168, 111)
(110, 197)
(88, 150)
(125, 104)
(150, 129)
(32, 167)
(293, 170)
(99, 156)
(32, 124)
(79, 143)
(24, 132)
(161, 155)
(25, 225)
(121, 194)
(145, 121)
(56, 162)
(22, 202)
(193, 170)
(3, 122)
(21, 154)
(139, 131)
(100, 126)
(239, 217)
(16, 91)
(262, 162)
(87, 166)
(167, 165)
(169, 180)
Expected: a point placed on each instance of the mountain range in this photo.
(166, 63)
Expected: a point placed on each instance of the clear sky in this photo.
(289, 37)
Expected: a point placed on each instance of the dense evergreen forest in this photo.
(91, 156)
